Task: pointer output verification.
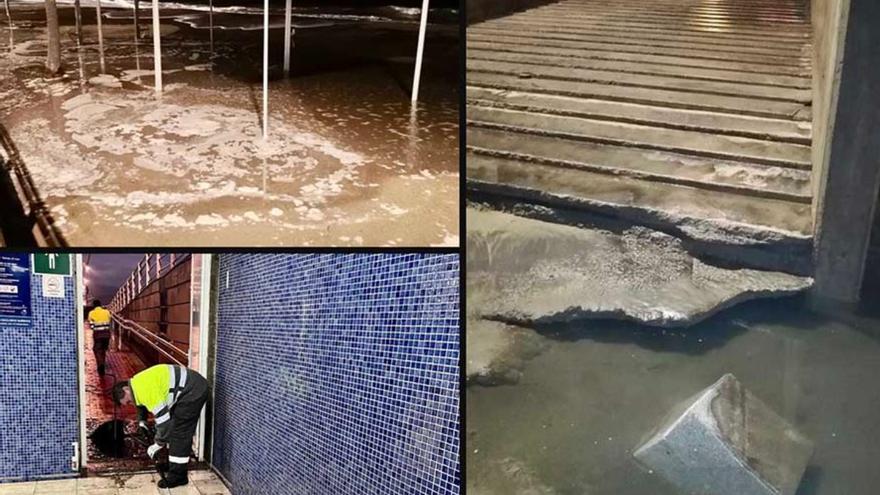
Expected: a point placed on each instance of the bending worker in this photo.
(175, 395)
(99, 322)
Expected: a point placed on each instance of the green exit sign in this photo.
(52, 263)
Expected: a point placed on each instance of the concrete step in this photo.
(585, 24)
(642, 164)
(514, 23)
(640, 201)
(658, 97)
(788, 22)
(658, 59)
(621, 47)
(733, 45)
(695, 143)
(644, 68)
(724, 88)
(675, 118)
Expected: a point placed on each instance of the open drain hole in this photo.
(109, 438)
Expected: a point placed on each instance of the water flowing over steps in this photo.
(691, 116)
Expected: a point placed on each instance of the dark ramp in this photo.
(682, 112)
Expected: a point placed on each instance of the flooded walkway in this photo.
(120, 365)
(663, 113)
(348, 160)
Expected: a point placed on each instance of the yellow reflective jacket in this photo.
(157, 388)
(99, 319)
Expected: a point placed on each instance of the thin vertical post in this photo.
(77, 13)
(53, 59)
(137, 21)
(287, 27)
(100, 36)
(9, 15)
(211, 30)
(157, 48)
(420, 50)
(265, 70)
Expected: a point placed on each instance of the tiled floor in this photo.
(200, 483)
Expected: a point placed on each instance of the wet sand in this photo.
(348, 162)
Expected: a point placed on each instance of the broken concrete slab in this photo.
(725, 441)
(497, 352)
(544, 273)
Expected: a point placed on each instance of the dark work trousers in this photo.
(184, 418)
(100, 344)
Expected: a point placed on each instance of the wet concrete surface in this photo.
(348, 162)
(535, 273)
(583, 404)
(673, 111)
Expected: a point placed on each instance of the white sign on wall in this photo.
(53, 285)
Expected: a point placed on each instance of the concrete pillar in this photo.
(848, 177)
(53, 60)
(420, 49)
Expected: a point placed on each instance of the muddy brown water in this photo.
(349, 161)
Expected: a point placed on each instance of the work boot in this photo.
(176, 476)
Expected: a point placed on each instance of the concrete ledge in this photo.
(725, 441)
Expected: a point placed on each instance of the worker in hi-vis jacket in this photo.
(99, 324)
(175, 395)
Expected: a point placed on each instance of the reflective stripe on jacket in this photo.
(99, 319)
(157, 388)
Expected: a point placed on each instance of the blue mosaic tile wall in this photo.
(338, 374)
(38, 396)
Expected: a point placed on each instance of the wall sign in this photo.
(52, 263)
(53, 285)
(15, 289)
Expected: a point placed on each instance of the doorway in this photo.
(156, 312)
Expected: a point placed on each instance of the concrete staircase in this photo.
(691, 117)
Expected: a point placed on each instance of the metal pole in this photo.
(77, 12)
(100, 36)
(421, 48)
(157, 48)
(211, 30)
(287, 26)
(9, 18)
(137, 21)
(265, 70)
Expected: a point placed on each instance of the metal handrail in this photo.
(152, 267)
(151, 339)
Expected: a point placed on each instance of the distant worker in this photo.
(99, 322)
(175, 395)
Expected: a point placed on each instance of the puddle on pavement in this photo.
(349, 160)
(564, 404)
